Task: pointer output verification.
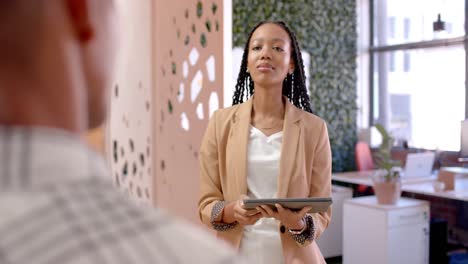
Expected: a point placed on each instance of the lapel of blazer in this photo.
(289, 149)
(240, 139)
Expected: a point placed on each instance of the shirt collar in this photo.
(38, 156)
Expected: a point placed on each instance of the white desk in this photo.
(459, 193)
(414, 185)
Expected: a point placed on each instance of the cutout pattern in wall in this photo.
(209, 70)
(198, 80)
(130, 126)
(131, 172)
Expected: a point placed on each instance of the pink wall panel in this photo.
(188, 79)
(130, 136)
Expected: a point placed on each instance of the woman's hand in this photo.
(293, 220)
(235, 211)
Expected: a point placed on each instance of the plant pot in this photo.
(388, 191)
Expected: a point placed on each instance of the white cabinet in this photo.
(331, 241)
(386, 234)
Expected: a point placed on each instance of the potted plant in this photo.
(386, 180)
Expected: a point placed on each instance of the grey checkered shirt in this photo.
(57, 205)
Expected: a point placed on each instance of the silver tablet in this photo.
(318, 205)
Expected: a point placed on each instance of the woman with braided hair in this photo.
(267, 145)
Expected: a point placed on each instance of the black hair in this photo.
(294, 87)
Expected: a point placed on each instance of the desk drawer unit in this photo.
(387, 234)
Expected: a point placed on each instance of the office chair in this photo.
(364, 162)
(363, 155)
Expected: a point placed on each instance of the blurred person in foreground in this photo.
(56, 204)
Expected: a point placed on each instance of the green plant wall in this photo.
(326, 29)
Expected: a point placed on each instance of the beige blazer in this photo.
(305, 170)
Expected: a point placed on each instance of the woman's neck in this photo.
(268, 103)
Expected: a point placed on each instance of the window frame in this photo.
(425, 44)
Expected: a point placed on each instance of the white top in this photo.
(58, 205)
(261, 242)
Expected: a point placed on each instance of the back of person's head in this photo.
(59, 55)
(19, 28)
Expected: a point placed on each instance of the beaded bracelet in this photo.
(215, 212)
(308, 234)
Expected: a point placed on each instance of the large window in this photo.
(418, 74)
(403, 21)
